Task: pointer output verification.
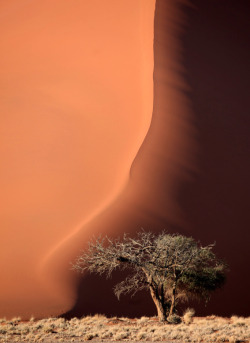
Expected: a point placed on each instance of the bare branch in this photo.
(173, 267)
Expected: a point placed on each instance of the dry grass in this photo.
(100, 328)
(188, 316)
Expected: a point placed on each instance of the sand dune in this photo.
(77, 94)
(165, 161)
(191, 172)
(83, 154)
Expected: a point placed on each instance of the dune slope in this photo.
(83, 154)
(76, 104)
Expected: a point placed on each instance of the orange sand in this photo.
(165, 160)
(82, 153)
(77, 95)
(191, 174)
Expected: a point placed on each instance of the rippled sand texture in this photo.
(76, 104)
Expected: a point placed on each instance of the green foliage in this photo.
(202, 282)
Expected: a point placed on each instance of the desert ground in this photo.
(102, 329)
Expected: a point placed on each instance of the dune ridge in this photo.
(164, 162)
(191, 173)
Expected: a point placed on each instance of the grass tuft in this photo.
(188, 316)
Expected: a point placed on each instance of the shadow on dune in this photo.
(149, 199)
(96, 296)
(216, 58)
(192, 173)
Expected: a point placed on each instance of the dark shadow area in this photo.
(191, 174)
(216, 55)
(96, 296)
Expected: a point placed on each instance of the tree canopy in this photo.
(171, 266)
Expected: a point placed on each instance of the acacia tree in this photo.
(187, 269)
(171, 267)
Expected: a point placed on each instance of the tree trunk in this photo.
(172, 307)
(161, 311)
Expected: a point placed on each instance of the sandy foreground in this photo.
(102, 329)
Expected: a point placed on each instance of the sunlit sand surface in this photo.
(76, 104)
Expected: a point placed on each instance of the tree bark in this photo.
(161, 311)
(172, 307)
(159, 300)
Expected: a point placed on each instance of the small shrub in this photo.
(88, 337)
(49, 328)
(99, 316)
(174, 319)
(143, 319)
(141, 335)
(121, 335)
(238, 321)
(15, 320)
(188, 316)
